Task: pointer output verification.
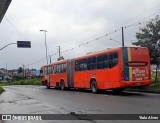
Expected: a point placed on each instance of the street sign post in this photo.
(23, 44)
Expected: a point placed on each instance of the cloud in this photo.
(69, 23)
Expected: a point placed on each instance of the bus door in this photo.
(49, 70)
(70, 73)
(136, 64)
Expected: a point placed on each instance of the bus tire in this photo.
(62, 85)
(94, 87)
(47, 85)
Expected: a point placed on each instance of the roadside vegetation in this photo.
(1, 90)
(154, 77)
(33, 81)
(154, 87)
(20, 81)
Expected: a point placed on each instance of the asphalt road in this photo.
(29, 99)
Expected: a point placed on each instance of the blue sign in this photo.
(23, 44)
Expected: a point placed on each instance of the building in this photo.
(33, 73)
(4, 76)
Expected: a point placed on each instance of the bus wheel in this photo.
(94, 87)
(48, 85)
(62, 86)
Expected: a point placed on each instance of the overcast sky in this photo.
(75, 25)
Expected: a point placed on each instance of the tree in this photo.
(20, 69)
(149, 36)
(60, 58)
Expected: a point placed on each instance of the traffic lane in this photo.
(17, 100)
(37, 99)
(107, 103)
(86, 102)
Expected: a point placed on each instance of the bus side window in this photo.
(56, 69)
(80, 65)
(113, 59)
(59, 68)
(91, 63)
(105, 61)
(62, 68)
(52, 69)
(94, 65)
(45, 70)
(48, 70)
(65, 67)
(77, 66)
(100, 62)
(85, 64)
(89, 67)
(110, 60)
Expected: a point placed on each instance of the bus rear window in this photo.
(136, 64)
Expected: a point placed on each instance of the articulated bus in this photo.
(44, 74)
(115, 69)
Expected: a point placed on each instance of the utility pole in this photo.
(50, 59)
(122, 37)
(23, 72)
(45, 31)
(59, 51)
(6, 69)
(28, 71)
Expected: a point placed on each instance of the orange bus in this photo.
(44, 75)
(115, 69)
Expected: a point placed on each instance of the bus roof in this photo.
(44, 65)
(97, 53)
(91, 54)
(59, 62)
(103, 52)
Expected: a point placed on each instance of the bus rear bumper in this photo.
(136, 83)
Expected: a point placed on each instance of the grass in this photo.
(154, 87)
(154, 76)
(23, 82)
(20, 82)
(1, 90)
